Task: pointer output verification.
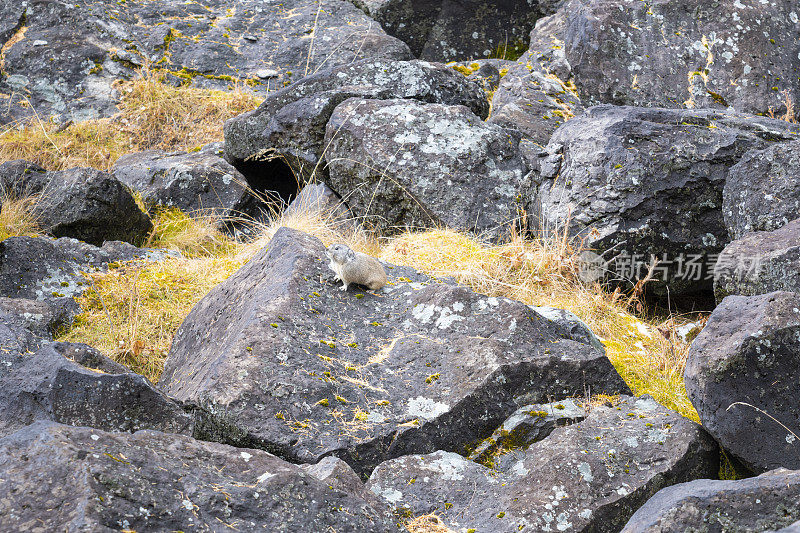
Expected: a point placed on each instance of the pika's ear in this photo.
(351, 255)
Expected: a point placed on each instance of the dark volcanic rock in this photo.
(749, 352)
(589, 476)
(49, 386)
(291, 123)
(20, 178)
(85, 479)
(533, 101)
(288, 363)
(738, 54)
(399, 163)
(762, 192)
(198, 183)
(760, 262)
(769, 501)
(40, 268)
(91, 206)
(649, 182)
(443, 30)
(72, 53)
(25, 325)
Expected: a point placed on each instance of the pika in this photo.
(354, 267)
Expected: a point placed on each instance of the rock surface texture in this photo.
(90, 480)
(739, 54)
(741, 376)
(287, 363)
(649, 182)
(766, 502)
(66, 56)
(290, 123)
(762, 192)
(760, 262)
(590, 476)
(399, 163)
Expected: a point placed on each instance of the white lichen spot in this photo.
(187, 505)
(423, 312)
(449, 465)
(426, 408)
(392, 496)
(790, 438)
(246, 456)
(585, 471)
(264, 477)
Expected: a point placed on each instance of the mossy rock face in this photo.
(167, 482)
(70, 55)
(768, 502)
(588, 476)
(374, 366)
(741, 376)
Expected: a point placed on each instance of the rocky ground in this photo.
(657, 138)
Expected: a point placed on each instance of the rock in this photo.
(589, 476)
(438, 30)
(528, 424)
(486, 72)
(762, 192)
(748, 353)
(45, 269)
(91, 206)
(533, 101)
(21, 330)
(760, 262)
(570, 326)
(198, 183)
(291, 122)
(49, 386)
(769, 501)
(152, 481)
(648, 182)
(93, 44)
(40, 318)
(20, 179)
(401, 164)
(288, 363)
(727, 54)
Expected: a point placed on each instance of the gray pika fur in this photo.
(354, 267)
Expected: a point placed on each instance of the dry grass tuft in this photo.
(152, 114)
(429, 523)
(16, 216)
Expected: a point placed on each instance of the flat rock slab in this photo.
(402, 164)
(52, 385)
(287, 362)
(749, 352)
(739, 54)
(762, 192)
(589, 476)
(291, 122)
(766, 502)
(89, 480)
(760, 262)
(649, 182)
(71, 53)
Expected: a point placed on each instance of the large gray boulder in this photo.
(760, 262)
(25, 326)
(72, 53)
(741, 376)
(767, 502)
(52, 385)
(91, 206)
(290, 123)
(198, 183)
(638, 182)
(402, 164)
(762, 192)
(443, 30)
(738, 54)
(285, 361)
(590, 476)
(85, 479)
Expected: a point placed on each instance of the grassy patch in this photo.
(152, 114)
(16, 217)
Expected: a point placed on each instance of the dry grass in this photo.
(16, 216)
(429, 523)
(152, 115)
(146, 303)
(788, 105)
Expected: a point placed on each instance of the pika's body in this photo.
(354, 267)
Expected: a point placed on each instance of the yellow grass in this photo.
(146, 303)
(152, 115)
(16, 216)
